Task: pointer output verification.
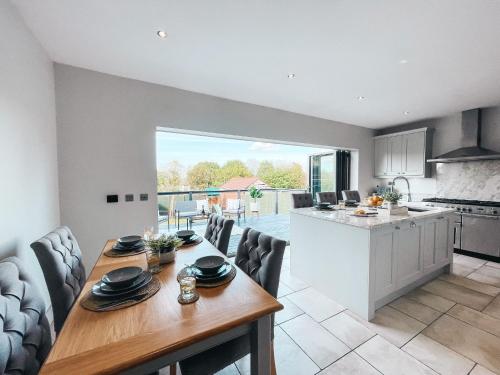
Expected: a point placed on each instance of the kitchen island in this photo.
(364, 263)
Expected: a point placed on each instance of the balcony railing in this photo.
(274, 201)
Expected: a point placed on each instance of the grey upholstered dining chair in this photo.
(260, 256)
(351, 195)
(301, 200)
(218, 232)
(25, 339)
(61, 260)
(326, 196)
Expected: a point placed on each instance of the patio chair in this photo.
(216, 209)
(235, 207)
(187, 210)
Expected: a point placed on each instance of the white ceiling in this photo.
(244, 50)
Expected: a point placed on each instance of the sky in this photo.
(191, 149)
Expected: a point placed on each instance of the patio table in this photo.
(159, 331)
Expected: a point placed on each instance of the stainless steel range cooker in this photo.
(477, 225)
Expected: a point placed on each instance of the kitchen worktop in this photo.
(374, 222)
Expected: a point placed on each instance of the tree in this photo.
(233, 168)
(170, 179)
(204, 174)
(282, 177)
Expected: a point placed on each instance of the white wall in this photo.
(29, 206)
(106, 142)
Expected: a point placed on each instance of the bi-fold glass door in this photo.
(322, 174)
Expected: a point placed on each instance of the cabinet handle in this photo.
(397, 227)
(413, 224)
(402, 172)
(440, 217)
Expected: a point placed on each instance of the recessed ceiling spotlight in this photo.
(162, 34)
(406, 113)
(361, 98)
(403, 61)
(292, 76)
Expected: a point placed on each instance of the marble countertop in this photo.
(373, 222)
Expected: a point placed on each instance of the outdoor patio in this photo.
(276, 225)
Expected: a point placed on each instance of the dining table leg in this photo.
(260, 355)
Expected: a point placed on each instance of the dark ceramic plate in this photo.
(200, 275)
(184, 234)
(129, 240)
(224, 271)
(119, 247)
(99, 288)
(191, 239)
(122, 276)
(324, 204)
(209, 265)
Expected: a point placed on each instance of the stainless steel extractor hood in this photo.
(470, 142)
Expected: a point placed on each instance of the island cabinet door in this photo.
(385, 251)
(438, 239)
(409, 249)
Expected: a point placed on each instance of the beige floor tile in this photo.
(348, 329)
(392, 325)
(317, 305)
(487, 275)
(476, 319)
(283, 290)
(470, 283)
(468, 261)
(391, 360)
(290, 359)
(493, 264)
(438, 357)
(429, 299)
(351, 364)
(459, 294)
(319, 344)
(493, 309)
(292, 282)
(480, 370)
(473, 343)
(290, 311)
(461, 270)
(416, 310)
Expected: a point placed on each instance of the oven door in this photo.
(481, 234)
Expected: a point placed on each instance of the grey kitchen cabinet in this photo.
(402, 154)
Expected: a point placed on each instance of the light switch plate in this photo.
(129, 197)
(112, 198)
(143, 196)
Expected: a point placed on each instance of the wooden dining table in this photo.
(159, 331)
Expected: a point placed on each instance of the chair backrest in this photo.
(218, 232)
(301, 200)
(61, 260)
(25, 339)
(233, 204)
(202, 205)
(326, 196)
(185, 206)
(351, 195)
(260, 257)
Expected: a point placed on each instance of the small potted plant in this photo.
(255, 194)
(392, 198)
(166, 246)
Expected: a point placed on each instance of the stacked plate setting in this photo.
(121, 282)
(129, 244)
(211, 269)
(188, 236)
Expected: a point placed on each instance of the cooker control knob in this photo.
(469, 209)
(494, 212)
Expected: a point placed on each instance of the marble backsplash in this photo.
(471, 180)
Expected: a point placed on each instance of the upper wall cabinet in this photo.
(402, 154)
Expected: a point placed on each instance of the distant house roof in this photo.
(242, 183)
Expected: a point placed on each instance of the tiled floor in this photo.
(448, 326)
